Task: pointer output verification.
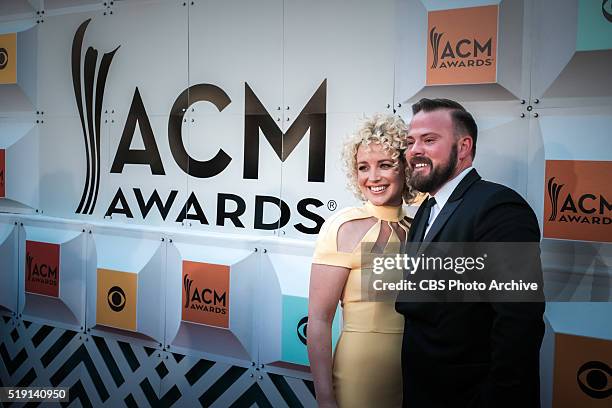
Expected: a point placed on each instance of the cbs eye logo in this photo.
(116, 299)
(3, 58)
(594, 379)
(607, 12)
(302, 328)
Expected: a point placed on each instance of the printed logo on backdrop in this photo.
(257, 121)
(205, 295)
(2, 173)
(593, 377)
(116, 299)
(578, 200)
(90, 111)
(554, 190)
(606, 10)
(302, 330)
(582, 372)
(42, 268)
(462, 46)
(4, 57)
(294, 329)
(8, 60)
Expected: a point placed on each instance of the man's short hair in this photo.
(463, 122)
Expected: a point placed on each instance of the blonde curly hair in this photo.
(390, 132)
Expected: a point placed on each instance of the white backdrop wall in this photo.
(311, 70)
(201, 118)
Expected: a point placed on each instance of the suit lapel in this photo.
(449, 208)
(440, 221)
(464, 185)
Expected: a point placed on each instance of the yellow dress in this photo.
(367, 360)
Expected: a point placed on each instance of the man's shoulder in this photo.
(490, 193)
(498, 213)
(489, 200)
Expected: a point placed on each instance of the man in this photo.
(465, 354)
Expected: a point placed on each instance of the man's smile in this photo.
(420, 164)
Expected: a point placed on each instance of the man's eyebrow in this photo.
(424, 135)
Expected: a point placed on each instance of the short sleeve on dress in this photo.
(326, 249)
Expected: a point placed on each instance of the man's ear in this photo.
(464, 147)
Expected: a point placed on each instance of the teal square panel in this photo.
(594, 25)
(294, 330)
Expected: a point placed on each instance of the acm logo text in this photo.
(587, 208)
(256, 118)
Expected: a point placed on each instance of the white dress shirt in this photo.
(443, 195)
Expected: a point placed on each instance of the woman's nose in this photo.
(374, 175)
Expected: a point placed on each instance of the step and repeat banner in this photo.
(165, 167)
(195, 128)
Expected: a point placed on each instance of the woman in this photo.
(366, 368)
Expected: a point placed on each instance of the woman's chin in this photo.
(377, 200)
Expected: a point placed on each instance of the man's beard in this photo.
(437, 176)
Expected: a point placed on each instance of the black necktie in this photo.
(425, 219)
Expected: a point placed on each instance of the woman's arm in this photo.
(326, 286)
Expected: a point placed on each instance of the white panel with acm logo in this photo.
(223, 270)
(68, 308)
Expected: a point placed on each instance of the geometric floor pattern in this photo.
(106, 372)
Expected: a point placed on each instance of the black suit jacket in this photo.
(474, 354)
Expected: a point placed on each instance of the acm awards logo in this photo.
(206, 294)
(42, 268)
(90, 111)
(204, 300)
(606, 9)
(302, 330)
(463, 53)
(553, 195)
(116, 299)
(40, 272)
(462, 45)
(584, 209)
(593, 379)
(256, 119)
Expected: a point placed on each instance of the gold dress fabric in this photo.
(367, 359)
